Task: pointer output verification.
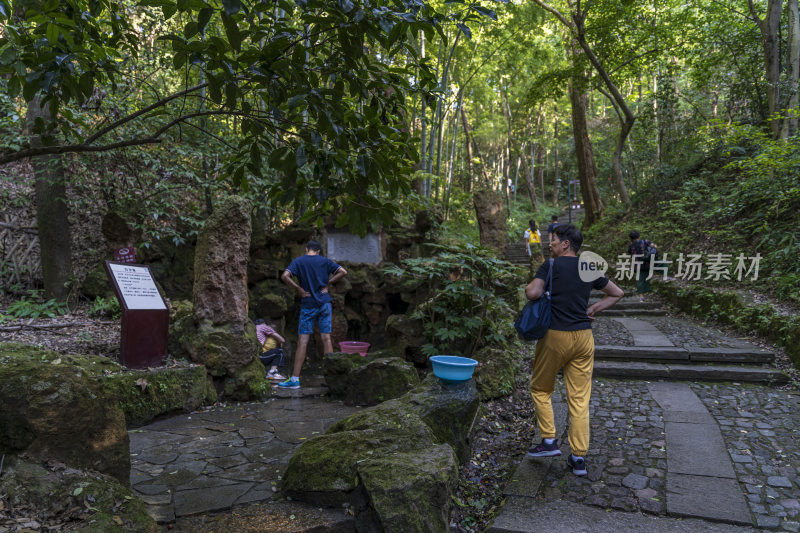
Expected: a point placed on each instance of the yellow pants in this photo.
(574, 352)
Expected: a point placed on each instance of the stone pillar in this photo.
(221, 336)
(491, 220)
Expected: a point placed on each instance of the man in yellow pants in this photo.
(568, 344)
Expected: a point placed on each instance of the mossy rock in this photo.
(410, 491)
(270, 299)
(247, 383)
(95, 284)
(61, 410)
(144, 395)
(323, 470)
(495, 375)
(222, 349)
(448, 409)
(367, 382)
(396, 462)
(58, 491)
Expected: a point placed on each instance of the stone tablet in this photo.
(344, 246)
(136, 287)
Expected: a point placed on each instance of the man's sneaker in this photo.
(290, 384)
(578, 465)
(545, 450)
(274, 374)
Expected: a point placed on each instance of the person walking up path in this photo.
(315, 274)
(568, 344)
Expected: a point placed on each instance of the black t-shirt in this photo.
(553, 226)
(570, 296)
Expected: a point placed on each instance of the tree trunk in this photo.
(529, 177)
(538, 165)
(556, 166)
(587, 169)
(627, 117)
(770, 44)
(792, 70)
(467, 142)
(52, 211)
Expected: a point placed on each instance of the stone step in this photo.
(630, 304)
(691, 355)
(684, 372)
(614, 311)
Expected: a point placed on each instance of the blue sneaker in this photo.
(578, 465)
(545, 450)
(290, 384)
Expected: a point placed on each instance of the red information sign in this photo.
(125, 255)
(145, 317)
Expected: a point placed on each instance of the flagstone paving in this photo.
(221, 457)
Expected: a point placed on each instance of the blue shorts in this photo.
(321, 314)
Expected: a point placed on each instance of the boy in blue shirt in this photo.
(315, 275)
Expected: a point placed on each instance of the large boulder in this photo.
(146, 394)
(496, 373)
(55, 494)
(448, 409)
(394, 462)
(323, 470)
(409, 491)
(362, 381)
(55, 406)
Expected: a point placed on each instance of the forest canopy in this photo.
(341, 107)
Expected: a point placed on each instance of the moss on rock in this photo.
(410, 491)
(367, 381)
(47, 397)
(433, 420)
(95, 283)
(323, 470)
(144, 395)
(494, 377)
(58, 491)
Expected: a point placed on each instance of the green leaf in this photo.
(203, 17)
(232, 31)
(191, 29)
(169, 9)
(52, 32)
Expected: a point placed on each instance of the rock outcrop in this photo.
(218, 334)
(88, 501)
(55, 406)
(367, 380)
(395, 463)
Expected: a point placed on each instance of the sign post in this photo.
(145, 317)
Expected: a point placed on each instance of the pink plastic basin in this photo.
(354, 347)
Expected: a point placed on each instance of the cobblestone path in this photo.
(730, 452)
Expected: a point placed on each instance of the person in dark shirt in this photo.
(315, 275)
(638, 250)
(554, 223)
(568, 344)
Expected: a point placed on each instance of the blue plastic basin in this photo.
(453, 369)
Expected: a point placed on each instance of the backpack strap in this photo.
(549, 280)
